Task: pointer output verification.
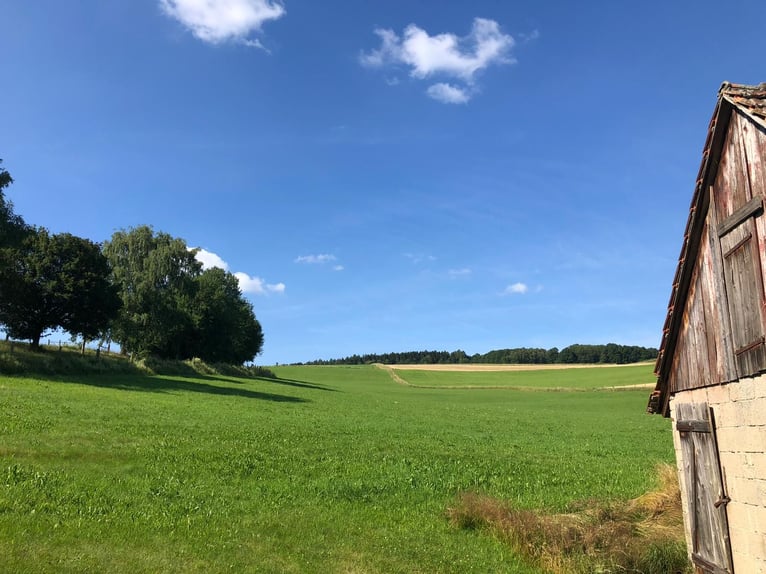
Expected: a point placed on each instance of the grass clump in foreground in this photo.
(643, 535)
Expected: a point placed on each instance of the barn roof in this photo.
(751, 101)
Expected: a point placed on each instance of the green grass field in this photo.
(328, 469)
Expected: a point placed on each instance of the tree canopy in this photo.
(12, 226)
(171, 308)
(52, 281)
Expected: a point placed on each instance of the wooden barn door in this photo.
(744, 287)
(705, 489)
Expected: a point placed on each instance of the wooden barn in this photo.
(711, 370)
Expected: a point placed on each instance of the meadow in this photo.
(325, 469)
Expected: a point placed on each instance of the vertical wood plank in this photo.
(719, 295)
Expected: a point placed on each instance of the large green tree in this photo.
(55, 281)
(155, 274)
(173, 309)
(227, 330)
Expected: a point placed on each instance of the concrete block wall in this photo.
(740, 414)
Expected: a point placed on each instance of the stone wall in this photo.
(740, 415)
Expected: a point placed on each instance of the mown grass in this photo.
(565, 378)
(325, 469)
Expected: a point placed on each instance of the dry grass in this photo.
(644, 535)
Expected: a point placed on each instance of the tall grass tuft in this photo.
(644, 535)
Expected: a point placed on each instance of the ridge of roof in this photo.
(750, 99)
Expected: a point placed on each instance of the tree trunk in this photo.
(35, 343)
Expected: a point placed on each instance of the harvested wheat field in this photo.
(475, 367)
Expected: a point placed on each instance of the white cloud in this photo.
(217, 21)
(248, 284)
(530, 36)
(256, 285)
(210, 260)
(417, 258)
(315, 259)
(517, 288)
(459, 272)
(443, 54)
(448, 94)
(338, 268)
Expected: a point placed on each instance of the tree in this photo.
(156, 278)
(12, 231)
(226, 328)
(55, 281)
(12, 226)
(91, 300)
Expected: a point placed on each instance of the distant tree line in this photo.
(586, 354)
(143, 289)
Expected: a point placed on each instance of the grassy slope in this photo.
(330, 469)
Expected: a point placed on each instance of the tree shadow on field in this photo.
(297, 383)
(169, 384)
(275, 381)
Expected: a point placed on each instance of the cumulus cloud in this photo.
(216, 21)
(448, 94)
(443, 54)
(517, 288)
(256, 285)
(247, 283)
(210, 259)
(315, 259)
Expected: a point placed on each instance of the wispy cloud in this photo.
(316, 259)
(320, 259)
(443, 55)
(464, 272)
(217, 21)
(248, 284)
(517, 289)
(417, 258)
(530, 36)
(448, 94)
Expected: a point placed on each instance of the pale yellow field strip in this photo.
(486, 367)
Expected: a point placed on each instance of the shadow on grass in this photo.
(169, 384)
(296, 383)
(245, 380)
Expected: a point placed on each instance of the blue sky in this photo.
(384, 176)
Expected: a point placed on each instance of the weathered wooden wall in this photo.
(721, 337)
